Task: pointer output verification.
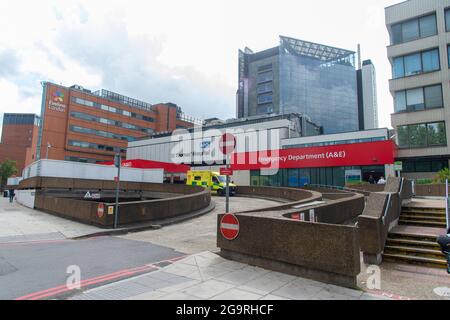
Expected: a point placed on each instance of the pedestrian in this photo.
(11, 195)
(382, 181)
(371, 180)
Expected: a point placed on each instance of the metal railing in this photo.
(447, 218)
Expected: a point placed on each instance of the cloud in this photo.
(128, 64)
(9, 63)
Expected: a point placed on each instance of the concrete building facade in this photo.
(367, 96)
(419, 54)
(77, 124)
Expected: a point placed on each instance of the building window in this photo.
(424, 165)
(419, 99)
(103, 107)
(422, 135)
(448, 55)
(414, 29)
(89, 145)
(264, 109)
(265, 87)
(265, 77)
(416, 63)
(265, 68)
(88, 117)
(265, 98)
(447, 20)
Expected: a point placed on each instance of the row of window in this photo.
(428, 165)
(265, 87)
(265, 108)
(96, 146)
(265, 77)
(126, 113)
(332, 143)
(414, 29)
(83, 160)
(89, 117)
(100, 133)
(422, 135)
(416, 63)
(265, 98)
(297, 178)
(418, 28)
(418, 99)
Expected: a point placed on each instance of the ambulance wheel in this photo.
(220, 192)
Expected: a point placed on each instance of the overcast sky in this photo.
(173, 50)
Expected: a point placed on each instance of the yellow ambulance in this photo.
(210, 179)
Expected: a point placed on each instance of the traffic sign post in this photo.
(398, 167)
(117, 163)
(227, 145)
(229, 226)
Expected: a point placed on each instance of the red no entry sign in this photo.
(100, 210)
(227, 143)
(229, 226)
(226, 172)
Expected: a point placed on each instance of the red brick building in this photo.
(19, 132)
(77, 124)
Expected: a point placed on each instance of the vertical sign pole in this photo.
(116, 215)
(227, 207)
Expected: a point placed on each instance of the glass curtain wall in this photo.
(324, 90)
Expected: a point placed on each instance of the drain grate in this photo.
(10, 209)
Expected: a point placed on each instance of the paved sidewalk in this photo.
(19, 223)
(207, 276)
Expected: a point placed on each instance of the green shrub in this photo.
(424, 181)
(442, 175)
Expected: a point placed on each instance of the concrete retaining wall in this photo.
(430, 190)
(323, 252)
(178, 200)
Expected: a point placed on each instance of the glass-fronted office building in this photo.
(300, 77)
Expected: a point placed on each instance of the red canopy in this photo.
(149, 164)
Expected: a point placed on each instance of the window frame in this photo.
(421, 54)
(418, 22)
(408, 108)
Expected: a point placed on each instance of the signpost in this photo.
(226, 172)
(227, 144)
(229, 226)
(117, 163)
(398, 167)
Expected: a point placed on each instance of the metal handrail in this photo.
(386, 210)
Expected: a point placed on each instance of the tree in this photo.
(7, 169)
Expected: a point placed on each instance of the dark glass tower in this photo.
(300, 77)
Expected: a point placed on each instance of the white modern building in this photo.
(367, 96)
(419, 33)
(277, 151)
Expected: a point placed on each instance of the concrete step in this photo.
(422, 223)
(407, 259)
(423, 213)
(413, 243)
(419, 209)
(412, 237)
(416, 252)
(422, 217)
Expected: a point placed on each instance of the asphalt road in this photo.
(39, 270)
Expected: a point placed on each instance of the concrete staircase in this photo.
(414, 240)
(423, 217)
